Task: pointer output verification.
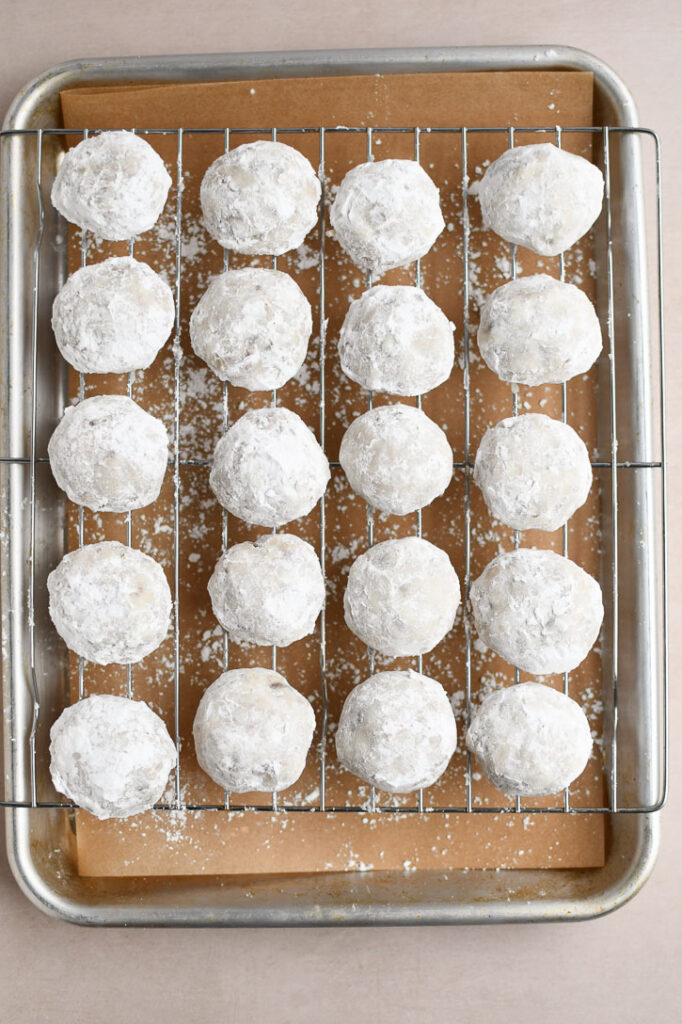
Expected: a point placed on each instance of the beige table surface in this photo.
(624, 968)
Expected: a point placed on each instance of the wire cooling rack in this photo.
(603, 137)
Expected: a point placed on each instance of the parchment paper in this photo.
(217, 842)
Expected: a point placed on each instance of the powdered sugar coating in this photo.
(541, 196)
(529, 739)
(269, 591)
(113, 184)
(534, 472)
(110, 603)
(386, 213)
(109, 454)
(113, 317)
(268, 468)
(252, 731)
(260, 198)
(397, 731)
(538, 610)
(252, 327)
(396, 458)
(395, 339)
(401, 596)
(111, 756)
(537, 330)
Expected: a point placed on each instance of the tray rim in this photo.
(118, 914)
(299, 64)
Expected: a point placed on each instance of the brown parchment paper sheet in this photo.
(210, 842)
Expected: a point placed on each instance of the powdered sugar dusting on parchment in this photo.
(200, 842)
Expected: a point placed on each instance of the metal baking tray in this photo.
(40, 842)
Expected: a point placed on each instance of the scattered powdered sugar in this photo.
(201, 425)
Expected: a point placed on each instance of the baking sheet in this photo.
(216, 842)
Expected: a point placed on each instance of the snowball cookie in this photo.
(113, 184)
(252, 327)
(529, 739)
(252, 731)
(113, 317)
(110, 755)
(401, 596)
(260, 198)
(395, 339)
(541, 197)
(109, 603)
(537, 330)
(534, 472)
(269, 591)
(109, 454)
(397, 731)
(396, 458)
(538, 610)
(268, 468)
(386, 213)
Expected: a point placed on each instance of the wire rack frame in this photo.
(613, 465)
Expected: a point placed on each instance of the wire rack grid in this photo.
(461, 136)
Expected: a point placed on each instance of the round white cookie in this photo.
(534, 472)
(401, 596)
(537, 330)
(395, 339)
(109, 603)
(540, 611)
(397, 731)
(268, 468)
(386, 213)
(396, 458)
(260, 198)
(113, 317)
(269, 591)
(109, 454)
(252, 731)
(529, 739)
(252, 327)
(113, 184)
(541, 196)
(111, 756)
